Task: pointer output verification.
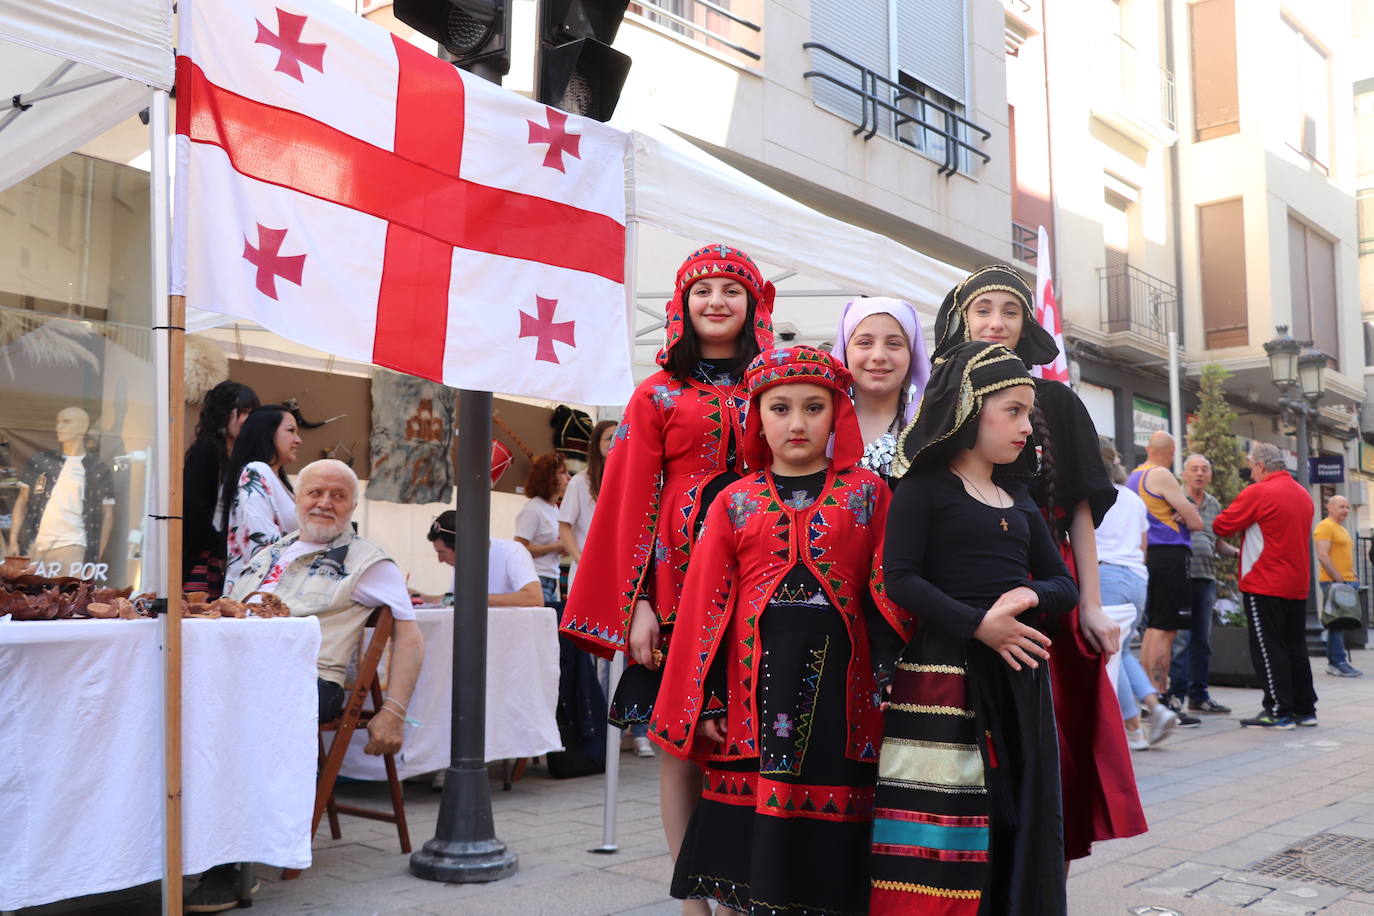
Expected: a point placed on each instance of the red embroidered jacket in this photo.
(671, 442)
(750, 541)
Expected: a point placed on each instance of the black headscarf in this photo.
(1036, 346)
(947, 419)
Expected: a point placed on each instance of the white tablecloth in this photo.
(81, 751)
(522, 693)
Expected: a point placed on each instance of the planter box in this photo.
(1231, 665)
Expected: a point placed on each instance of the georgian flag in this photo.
(1047, 311)
(351, 192)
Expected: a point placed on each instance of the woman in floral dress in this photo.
(257, 506)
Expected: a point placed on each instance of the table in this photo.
(522, 693)
(81, 745)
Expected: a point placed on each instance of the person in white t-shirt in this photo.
(511, 579)
(1121, 542)
(575, 512)
(536, 527)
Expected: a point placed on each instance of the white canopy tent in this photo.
(75, 70)
(71, 71)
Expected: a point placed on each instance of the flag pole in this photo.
(465, 849)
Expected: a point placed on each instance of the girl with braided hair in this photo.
(1071, 487)
(680, 442)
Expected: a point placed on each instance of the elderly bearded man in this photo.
(327, 571)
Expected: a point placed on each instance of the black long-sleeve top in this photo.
(949, 557)
(200, 477)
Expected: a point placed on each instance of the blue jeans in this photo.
(549, 585)
(1336, 654)
(1191, 666)
(1120, 585)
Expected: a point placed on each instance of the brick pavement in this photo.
(1219, 799)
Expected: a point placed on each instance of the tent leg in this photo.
(168, 341)
(608, 844)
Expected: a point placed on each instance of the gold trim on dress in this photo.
(953, 765)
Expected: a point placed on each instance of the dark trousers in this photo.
(1192, 662)
(1278, 650)
(331, 699)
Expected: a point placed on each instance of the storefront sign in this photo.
(1327, 468)
(1149, 418)
(1367, 459)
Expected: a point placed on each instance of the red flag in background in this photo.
(1047, 312)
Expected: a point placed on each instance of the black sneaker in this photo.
(217, 891)
(1264, 720)
(1208, 705)
(1187, 721)
(1308, 721)
(1173, 702)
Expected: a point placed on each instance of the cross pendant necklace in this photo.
(1003, 520)
(1003, 523)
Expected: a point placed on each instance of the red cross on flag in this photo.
(353, 193)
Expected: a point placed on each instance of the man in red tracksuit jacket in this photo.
(1274, 516)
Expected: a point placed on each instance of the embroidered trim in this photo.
(933, 710)
(927, 889)
(930, 669)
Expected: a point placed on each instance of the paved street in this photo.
(1219, 799)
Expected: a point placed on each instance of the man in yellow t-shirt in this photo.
(1335, 563)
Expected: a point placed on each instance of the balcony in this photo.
(1135, 96)
(708, 24)
(1024, 241)
(877, 104)
(1137, 311)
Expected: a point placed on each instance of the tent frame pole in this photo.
(169, 315)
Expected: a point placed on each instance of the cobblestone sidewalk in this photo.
(1221, 800)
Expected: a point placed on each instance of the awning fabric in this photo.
(44, 43)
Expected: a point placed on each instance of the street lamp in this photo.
(1299, 372)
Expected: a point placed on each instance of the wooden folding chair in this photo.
(366, 683)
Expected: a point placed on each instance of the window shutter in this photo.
(1221, 233)
(1299, 287)
(857, 29)
(1216, 96)
(931, 44)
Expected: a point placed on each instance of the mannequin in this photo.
(67, 526)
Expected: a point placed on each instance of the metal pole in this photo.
(613, 735)
(1314, 625)
(465, 848)
(1175, 404)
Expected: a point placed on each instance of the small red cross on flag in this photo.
(287, 40)
(351, 209)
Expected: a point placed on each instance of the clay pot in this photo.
(13, 567)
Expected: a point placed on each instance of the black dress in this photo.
(967, 814)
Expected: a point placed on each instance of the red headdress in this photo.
(719, 261)
(790, 365)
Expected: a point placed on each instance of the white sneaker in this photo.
(1136, 740)
(1162, 722)
(643, 748)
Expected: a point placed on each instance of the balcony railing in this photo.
(706, 23)
(1136, 94)
(1024, 242)
(1137, 303)
(904, 115)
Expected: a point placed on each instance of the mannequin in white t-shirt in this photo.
(57, 481)
(511, 579)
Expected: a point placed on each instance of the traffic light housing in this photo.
(579, 71)
(473, 32)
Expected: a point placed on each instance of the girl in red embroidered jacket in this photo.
(773, 684)
(677, 446)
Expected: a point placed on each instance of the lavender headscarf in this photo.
(856, 310)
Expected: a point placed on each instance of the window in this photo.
(1221, 256)
(916, 60)
(1312, 279)
(933, 122)
(1305, 102)
(1216, 95)
(1116, 238)
(1364, 211)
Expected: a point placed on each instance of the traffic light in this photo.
(579, 71)
(473, 32)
